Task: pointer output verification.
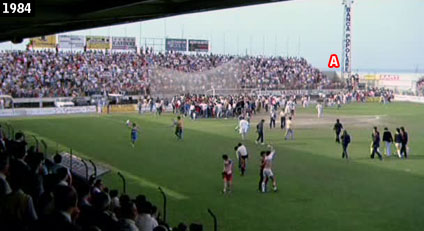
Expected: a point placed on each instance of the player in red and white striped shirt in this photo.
(227, 173)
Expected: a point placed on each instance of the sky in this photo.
(387, 35)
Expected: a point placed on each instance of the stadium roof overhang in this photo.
(56, 16)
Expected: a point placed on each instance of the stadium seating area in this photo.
(42, 195)
(54, 74)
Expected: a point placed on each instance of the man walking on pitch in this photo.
(319, 110)
(290, 129)
(227, 173)
(272, 118)
(283, 119)
(134, 134)
(404, 144)
(261, 171)
(260, 131)
(345, 143)
(388, 140)
(338, 129)
(242, 156)
(267, 172)
(243, 127)
(179, 128)
(375, 144)
(398, 142)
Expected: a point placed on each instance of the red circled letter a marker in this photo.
(334, 61)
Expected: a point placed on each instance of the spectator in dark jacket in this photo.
(345, 143)
(338, 129)
(404, 147)
(398, 141)
(260, 131)
(375, 144)
(388, 140)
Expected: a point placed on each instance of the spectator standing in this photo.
(404, 146)
(375, 144)
(345, 143)
(398, 142)
(260, 131)
(388, 140)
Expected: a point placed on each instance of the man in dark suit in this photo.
(345, 143)
(388, 140)
(260, 131)
(404, 147)
(337, 129)
(375, 144)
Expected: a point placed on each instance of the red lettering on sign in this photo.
(334, 61)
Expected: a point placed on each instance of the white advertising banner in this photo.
(409, 98)
(71, 41)
(123, 43)
(18, 112)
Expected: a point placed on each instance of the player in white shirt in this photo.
(267, 171)
(227, 173)
(320, 110)
(242, 156)
(243, 127)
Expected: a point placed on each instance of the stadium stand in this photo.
(43, 194)
(57, 74)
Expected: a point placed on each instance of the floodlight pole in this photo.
(346, 60)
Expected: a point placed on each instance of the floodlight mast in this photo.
(347, 39)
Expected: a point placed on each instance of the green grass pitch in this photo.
(317, 189)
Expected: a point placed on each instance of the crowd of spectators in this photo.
(420, 86)
(55, 74)
(37, 194)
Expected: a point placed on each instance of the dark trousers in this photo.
(283, 122)
(344, 153)
(261, 178)
(403, 151)
(338, 137)
(178, 132)
(375, 151)
(272, 123)
(260, 137)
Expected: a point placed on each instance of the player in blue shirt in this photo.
(134, 134)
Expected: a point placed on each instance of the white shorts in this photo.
(268, 173)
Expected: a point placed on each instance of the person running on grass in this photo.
(242, 156)
(179, 128)
(134, 134)
(267, 173)
(227, 173)
(345, 143)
